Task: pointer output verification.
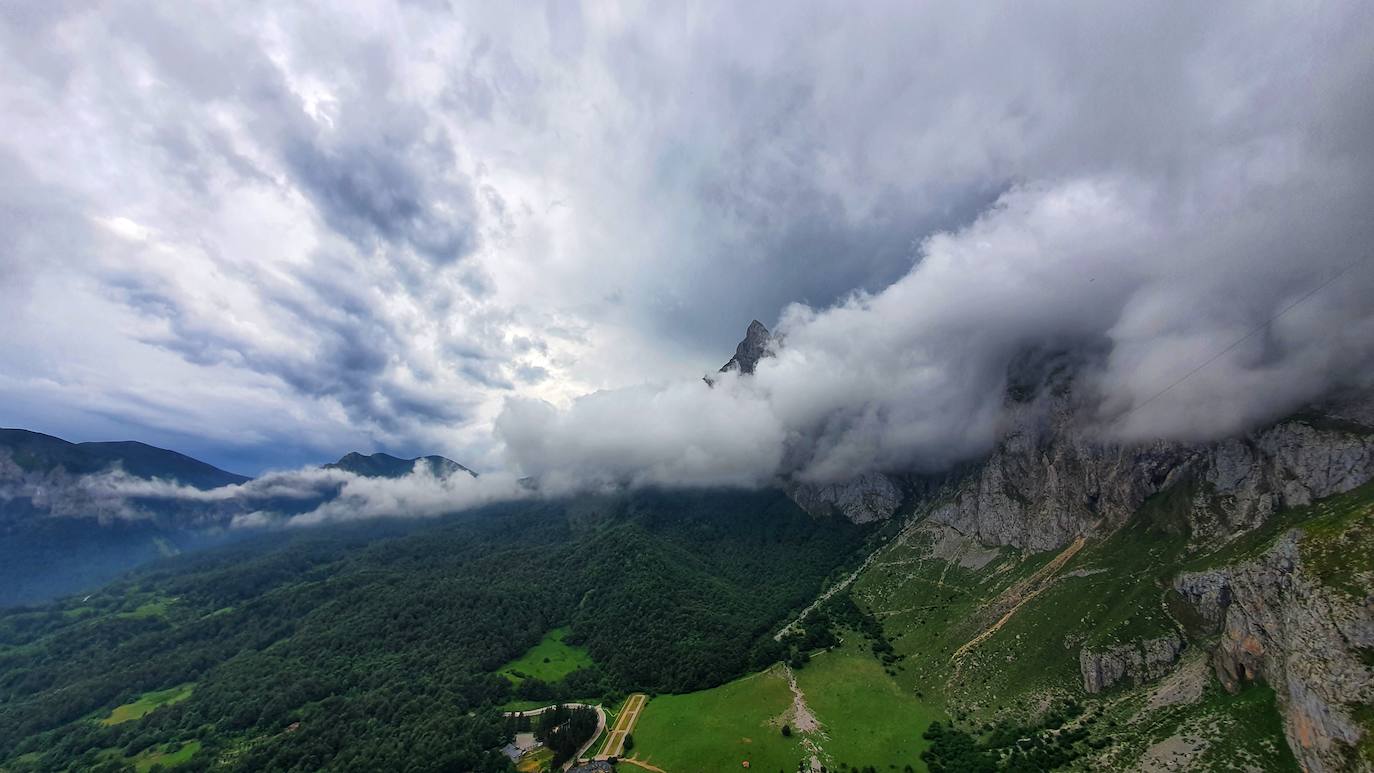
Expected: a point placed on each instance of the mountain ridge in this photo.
(383, 465)
(36, 451)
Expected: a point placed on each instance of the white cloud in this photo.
(269, 235)
(306, 496)
(914, 377)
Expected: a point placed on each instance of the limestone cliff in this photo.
(1136, 662)
(1051, 479)
(1281, 620)
(1041, 487)
(869, 497)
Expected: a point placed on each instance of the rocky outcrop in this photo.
(1208, 593)
(1139, 662)
(1049, 480)
(867, 498)
(1289, 464)
(753, 348)
(1310, 642)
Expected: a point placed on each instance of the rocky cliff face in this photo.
(1047, 481)
(1288, 465)
(1050, 480)
(1278, 621)
(1137, 662)
(1042, 487)
(867, 498)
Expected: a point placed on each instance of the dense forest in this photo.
(374, 646)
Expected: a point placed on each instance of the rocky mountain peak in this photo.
(753, 348)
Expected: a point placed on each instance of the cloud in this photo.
(302, 497)
(914, 377)
(681, 433)
(268, 235)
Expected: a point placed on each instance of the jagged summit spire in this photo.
(753, 348)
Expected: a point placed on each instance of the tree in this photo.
(786, 731)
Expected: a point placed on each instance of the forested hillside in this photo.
(376, 646)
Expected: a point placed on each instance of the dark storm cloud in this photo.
(348, 355)
(379, 197)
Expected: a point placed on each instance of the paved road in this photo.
(600, 726)
(542, 709)
(615, 744)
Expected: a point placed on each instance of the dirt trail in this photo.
(805, 723)
(642, 764)
(1022, 592)
(828, 592)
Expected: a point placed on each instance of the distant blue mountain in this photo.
(56, 538)
(36, 452)
(388, 466)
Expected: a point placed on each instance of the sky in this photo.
(518, 234)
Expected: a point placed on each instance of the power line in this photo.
(1247, 336)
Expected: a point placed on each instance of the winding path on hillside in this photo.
(836, 588)
(1021, 593)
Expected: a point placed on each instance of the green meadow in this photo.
(169, 756)
(146, 703)
(550, 660)
(720, 728)
(866, 717)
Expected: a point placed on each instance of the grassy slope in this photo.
(868, 719)
(865, 716)
(1112, 592)
(550, 660)
(147, 703)
(719, 728)
(170, 757)
(929, 607)
(1236, 732)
